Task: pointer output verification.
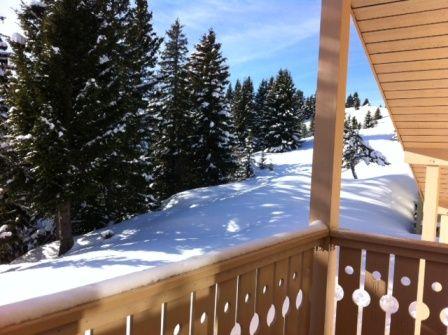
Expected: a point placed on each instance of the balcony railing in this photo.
(268, 291)
(264, 291)
(388, 282)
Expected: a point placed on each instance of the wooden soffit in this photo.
(407, 45)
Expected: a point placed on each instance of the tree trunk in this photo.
(64, 227)
(352, 167)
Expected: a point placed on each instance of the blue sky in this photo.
(258, 36)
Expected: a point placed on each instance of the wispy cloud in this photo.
(248, 29)
(267, 40)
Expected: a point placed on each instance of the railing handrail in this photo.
(407, 247)
(130, 301)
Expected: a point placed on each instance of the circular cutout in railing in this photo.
(299, 299)
(254, 324)
(349, 270)
(280, 283)
(294, 275)
(270, 316)
(236, 330)
(376, 275)
(265, 289)
(226, 307)
(361, 297)
(424, 310)
(405, 281)
(436, 287)
(339, 294)
(389, 304)
(176, 330)
(247, 298)
(203, 318)
(285, 307)
(444, 316)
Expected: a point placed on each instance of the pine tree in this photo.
(356, 150)
(79, 136)
(260, 109)
(247, 159)
(229, 94)
(369, 122)
(366, 102)
(282, 120)
(310, 107)
(243, 110)
(377, 116)
(350, 102)
(171, 145)
(213, 140)
(354, 123)
(356, 101)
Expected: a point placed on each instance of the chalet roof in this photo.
(407, 45)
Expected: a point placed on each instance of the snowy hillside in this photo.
(204, 221)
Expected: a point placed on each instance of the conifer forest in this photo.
(102, 119)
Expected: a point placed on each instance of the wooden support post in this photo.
(443, 229)
(429, 233)
(327, 156)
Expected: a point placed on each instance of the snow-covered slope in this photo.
(204, 222)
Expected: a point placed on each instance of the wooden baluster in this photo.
(347, 310)
(177, 316)
(405, 291)
(146, 320)
(373, 321)
(307, 281)
(294, 287)
(436, 297)
(265, 283)
(204, 302)
(225, 308)
(246, 300)
(280, 294)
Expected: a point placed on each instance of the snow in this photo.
(201, 226)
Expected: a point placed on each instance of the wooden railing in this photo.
(263, 291)
(379, 285)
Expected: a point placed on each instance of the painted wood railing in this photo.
(263, 291)
(379, 289)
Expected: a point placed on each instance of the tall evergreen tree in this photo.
(79, 136)
(310, 107)
(350, 102)
(243, 110)
(366, 102)
(356, 101)
(282, 118)
(260, 109)
(377, 116)
(369, 122)
(213, 124)
(172, 156)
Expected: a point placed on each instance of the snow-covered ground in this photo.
(209, 221)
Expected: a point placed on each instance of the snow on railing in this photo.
(263, 287)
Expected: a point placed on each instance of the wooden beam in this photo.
(419, 159)
(327, 156)
(442, 211)
(429, 233)
(444, 228)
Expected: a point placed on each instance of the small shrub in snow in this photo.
(356, 150)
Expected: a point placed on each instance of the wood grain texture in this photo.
(347, 310)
